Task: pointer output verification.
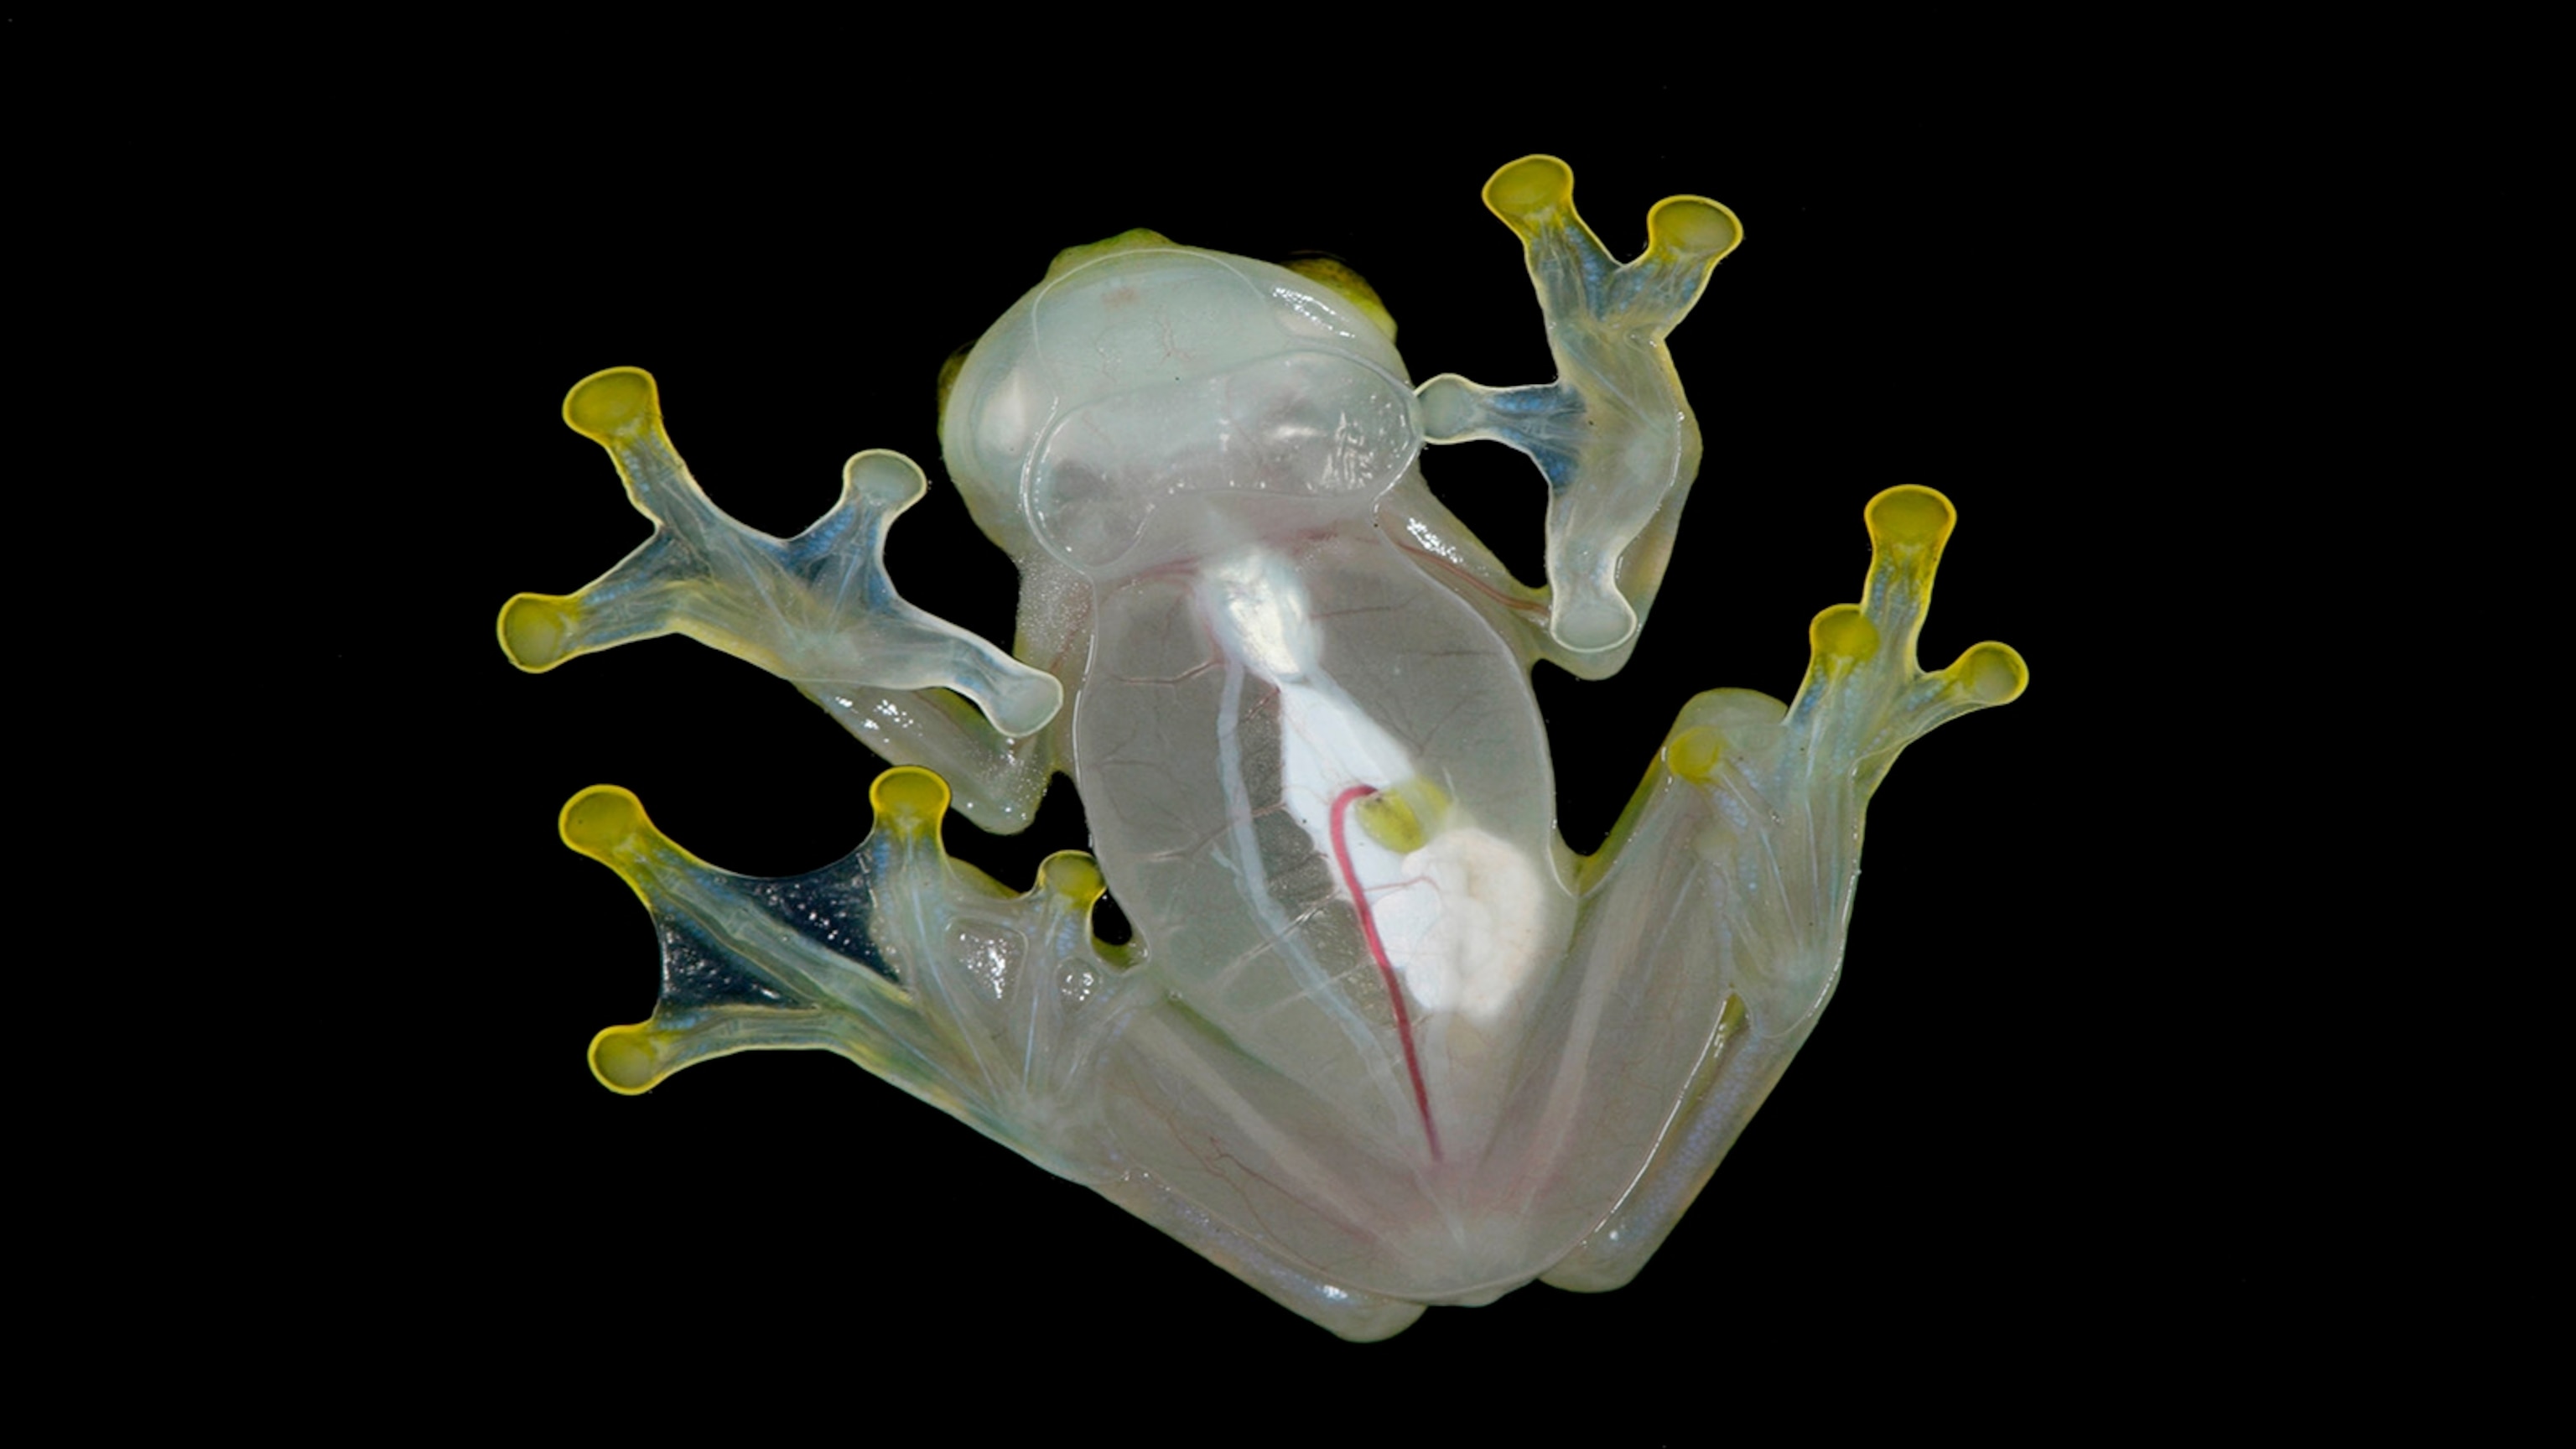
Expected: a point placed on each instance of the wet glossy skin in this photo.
(1384, 1041)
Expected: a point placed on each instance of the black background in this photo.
(1969, 1164)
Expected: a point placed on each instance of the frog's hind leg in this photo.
(1713, 922)
(1351, 1313)
(817, 610)
(1613, 434)
(988, 1005)
(993, 1007)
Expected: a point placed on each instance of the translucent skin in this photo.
(1382, 1040)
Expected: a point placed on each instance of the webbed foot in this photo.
(1613, 434)
(921, 969)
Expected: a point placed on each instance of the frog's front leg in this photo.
(1613, 435)
(817, 610)
(1741, 849)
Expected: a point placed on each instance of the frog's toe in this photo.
(1529, 192)
(1865, 696)
(537, 630)
(1581, 286)
(715, 999)
(1689, 229)
(1987, 674)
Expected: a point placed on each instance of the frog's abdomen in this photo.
(1257, 736)
(1229, 711)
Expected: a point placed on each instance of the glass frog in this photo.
(1381, 1039)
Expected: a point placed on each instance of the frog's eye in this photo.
(948, 371)
(1346, 284)
(1135, 239)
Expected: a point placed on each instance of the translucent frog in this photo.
(1380, 1039)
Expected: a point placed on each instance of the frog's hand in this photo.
(1612, 434)
(920, 969)
(1745, 842)
(817, 610)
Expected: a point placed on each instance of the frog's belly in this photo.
(1321, 1059)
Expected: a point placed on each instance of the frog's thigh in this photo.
(1352, 1313)
(1739, 854)
(1708, 941)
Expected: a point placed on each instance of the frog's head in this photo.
(1143, 385)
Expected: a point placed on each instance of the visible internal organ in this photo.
(1458, 915)
(1450, 913)
(1358, 889)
